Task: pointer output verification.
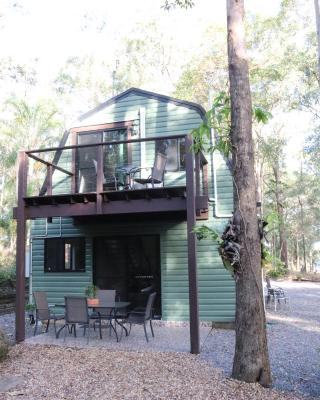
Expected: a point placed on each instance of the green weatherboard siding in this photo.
(216, 286)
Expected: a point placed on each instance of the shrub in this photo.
(273, 266)
(4, 346)
(7, 276)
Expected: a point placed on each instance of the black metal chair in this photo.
(77, 314)
(43, 312)
(142, 317)
(276, 294)
(157, 172)
(106, 314)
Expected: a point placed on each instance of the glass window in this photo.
(174, 149)
(115, 155)
(64, 255)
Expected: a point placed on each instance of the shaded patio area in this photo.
(168, 338)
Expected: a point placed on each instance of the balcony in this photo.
(149, 175)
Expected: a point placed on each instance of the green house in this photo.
(117, 205)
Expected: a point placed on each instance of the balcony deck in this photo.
(148, 200)
(73, 203)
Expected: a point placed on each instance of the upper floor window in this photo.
(174, 149)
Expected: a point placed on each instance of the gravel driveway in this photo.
(293, 337)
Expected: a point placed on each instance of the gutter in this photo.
(214, 200)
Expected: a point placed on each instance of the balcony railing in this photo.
(115, 170)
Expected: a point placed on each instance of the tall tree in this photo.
(317, 14)
(251, 361)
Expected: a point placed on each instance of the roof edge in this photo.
(151, 95)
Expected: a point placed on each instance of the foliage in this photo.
(7, 276)
(273, 266)
(204, 232)
(218, 118)
(168, 5)
(30, 307)
(4, 346)
(91, 291)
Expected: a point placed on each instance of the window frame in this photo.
(74, 132)
(180, 155)
(62, 241)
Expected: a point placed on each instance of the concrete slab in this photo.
(10, 382)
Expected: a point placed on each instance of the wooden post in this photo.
(192, 250)
(99, 187)
(49, 180)
(21, 246)
(74, 181)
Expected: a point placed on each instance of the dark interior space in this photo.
(131, 266)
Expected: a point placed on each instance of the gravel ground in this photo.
(56, 373)
(293, 340)
(293, 336)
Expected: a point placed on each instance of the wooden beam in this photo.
(107, 208)
(192, 250)
(55, 160)
(100, 178)
(21, 246)
(49, 164)
(74, 180)
(49, 180)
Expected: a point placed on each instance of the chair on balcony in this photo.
(43, 312)
(157, 172)
(110, 182)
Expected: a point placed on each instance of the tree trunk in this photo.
(304, 266)
(317, 14)
(251, 361)
(282, 232)
(298, 254)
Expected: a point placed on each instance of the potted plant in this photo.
(30, 312)
(91, 293)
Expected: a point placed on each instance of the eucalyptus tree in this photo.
(251, 360)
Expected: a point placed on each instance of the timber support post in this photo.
(21, 246)
(192, 249)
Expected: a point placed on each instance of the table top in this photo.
(127, 168)
(115, 305)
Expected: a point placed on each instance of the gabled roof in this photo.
(144, 93)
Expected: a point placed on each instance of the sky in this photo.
(51, 31)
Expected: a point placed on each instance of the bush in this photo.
(4, 346)
(7, 276)
(273, 266)
(7, 261)
(277, 272)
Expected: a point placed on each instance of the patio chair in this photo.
(105, 313)
(276, 294)
(77, 314)
(142, 317)
(43, 312)
(157, 172)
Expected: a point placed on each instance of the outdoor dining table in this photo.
(115, 306)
